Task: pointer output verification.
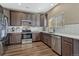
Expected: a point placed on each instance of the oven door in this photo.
(27, 36)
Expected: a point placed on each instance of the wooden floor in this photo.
(34, 49)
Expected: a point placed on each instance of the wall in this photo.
(70, 10)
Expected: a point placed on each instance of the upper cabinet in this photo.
(21, 16)
(14, 19)
(29, 16)
(1, 9)
(36, 20)
(17, 17)
(43, 20)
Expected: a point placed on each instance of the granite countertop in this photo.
(25, 32)
(74, 36)
(14, 32)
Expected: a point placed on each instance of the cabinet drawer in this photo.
(70, 40)
(67, 49)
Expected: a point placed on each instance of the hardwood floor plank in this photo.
(33, 49)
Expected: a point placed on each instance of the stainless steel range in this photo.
(26, 36)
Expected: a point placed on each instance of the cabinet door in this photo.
(13, 18)
(66, 48)
(49, 41)
(18, 38)
(42, 20)
(33, 37)
(16, 18)
(1, 9)
(38, 20)
(45, 38)
(41, 36)
(12, 39)
(15, 38)
(36, 37)
(33, 20)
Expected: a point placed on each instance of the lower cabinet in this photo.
(35, 37)
(14, 38)
(49, 41)
(67, 46)
(46, 38)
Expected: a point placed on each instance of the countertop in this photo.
(15, 32)
(23, 32)
(74, 36)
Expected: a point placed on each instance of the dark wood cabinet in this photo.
(35, 37)
(14, 38)
(36, 20)
(16, 18)
(46, 38)
(41, 20)
(1, 9)
(13, 20)
(67, 46)
(43, 37)
(49, 41)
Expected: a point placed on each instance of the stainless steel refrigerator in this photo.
(3, 32)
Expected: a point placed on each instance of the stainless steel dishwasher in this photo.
(56, 44)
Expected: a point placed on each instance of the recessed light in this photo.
(52, 4)
(39, 8)
(27, 7)
(19, 4)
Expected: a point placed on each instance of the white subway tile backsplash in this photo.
(70, 29)
(20, 28)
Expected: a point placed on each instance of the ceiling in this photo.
(29, 7)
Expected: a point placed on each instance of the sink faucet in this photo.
(53, 29)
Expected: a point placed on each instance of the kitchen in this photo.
(48, 30)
